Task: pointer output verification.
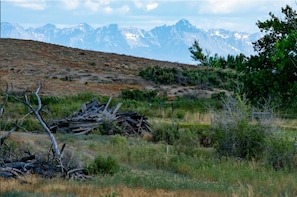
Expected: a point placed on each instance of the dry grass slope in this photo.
(64, 70)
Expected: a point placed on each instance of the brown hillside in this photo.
(63, 70)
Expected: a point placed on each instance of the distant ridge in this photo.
(169, 43)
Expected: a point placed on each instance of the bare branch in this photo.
(56, 150)
(6, 136)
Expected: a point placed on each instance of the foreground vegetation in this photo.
(173, 159)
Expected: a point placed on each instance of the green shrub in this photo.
(187, 142)
(104, 166)
(139, 95)
(184, 140)
(46, 100)
(119, 140)
(180, 114)
(181, 164)
(109, 128)
(244, 141)
(168, 133)
(281, 154)
(235, 135)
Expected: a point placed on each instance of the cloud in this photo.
(116, 10)
(123, 9)
(30, 4)
(240, 6)
(92, 5)
(146, 5)
(104, 6)
(151, 6)
(227, 6)
(71, 4)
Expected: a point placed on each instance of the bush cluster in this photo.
(235, 135)
(206, 77)
(183, 140)
(103, 165)
(138, 95)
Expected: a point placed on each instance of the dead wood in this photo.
(13, 166)
(93, 114)
(36, 112)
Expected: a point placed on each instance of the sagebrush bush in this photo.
(244, 141)
(281, 153)
(109, 128)
(187, 142)
(234, 133)
(103, 165)
(166, 133)
(119, 140)
(184, 140)
(138, 95)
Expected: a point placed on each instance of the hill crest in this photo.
(64, 70)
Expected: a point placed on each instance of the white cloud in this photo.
(93, 5)
(117, 10)
(241, 6)
(227, 6)
(105, 6)
(71, 4)
(151, 6)
(108, 9)
(123, 9)
(30, 4)
(146, 5)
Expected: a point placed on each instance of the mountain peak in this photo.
(184, 24)
(49, 26)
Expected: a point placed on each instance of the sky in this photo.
(237, 15)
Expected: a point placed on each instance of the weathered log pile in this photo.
(16, 164)
(93, 115)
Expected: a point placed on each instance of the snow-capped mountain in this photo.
(170, 43)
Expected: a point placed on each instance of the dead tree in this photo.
(36, 112)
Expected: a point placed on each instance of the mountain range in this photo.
(167, 42)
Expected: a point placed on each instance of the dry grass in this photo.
(203, 118)
(84, 189)
(65, 70)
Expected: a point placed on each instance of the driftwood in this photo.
(93, 114)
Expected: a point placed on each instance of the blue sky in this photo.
(239, 15)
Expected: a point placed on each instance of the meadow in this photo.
(170, 161)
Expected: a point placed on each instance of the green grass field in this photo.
(171, 162)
